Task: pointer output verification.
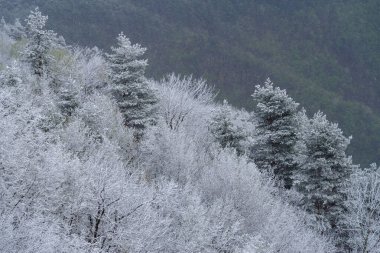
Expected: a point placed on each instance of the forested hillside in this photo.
(97, 157)
(325, 53)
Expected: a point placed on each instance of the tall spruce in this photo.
(129, 87)
(276, 132)
(40, 42)
(322, 175)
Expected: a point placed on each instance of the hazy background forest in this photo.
(325, 53)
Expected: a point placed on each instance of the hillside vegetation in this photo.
(325, 53)
(97, 157)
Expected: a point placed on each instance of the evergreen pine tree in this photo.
(276, 132)
(225, 132)
(129, 86)
(40, 42)
(326, 167)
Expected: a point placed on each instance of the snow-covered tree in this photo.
(362, 219)
(102, 116)
(15, 31)
(75, 75)
(226, 133)
(326, 168)
(40, 42)
(129, 86)
(183, 101)
(90, 70)
(276, 132)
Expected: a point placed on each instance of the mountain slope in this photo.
(326, 54)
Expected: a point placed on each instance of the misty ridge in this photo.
(97, 157)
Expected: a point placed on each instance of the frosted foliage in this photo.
(11, 75)
(324, 171)
(86, 67)
(276, 132)
(273, 225)
(6, 44)
(225, 131)
(40, 42)
(362, 221)
(104, 119)
(16, 31)
(125, 62)
(74, 177)
(91, 69)
(129, 86)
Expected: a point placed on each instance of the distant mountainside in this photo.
(325, 53)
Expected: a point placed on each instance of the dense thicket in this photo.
(74, 177)
(324, 53)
